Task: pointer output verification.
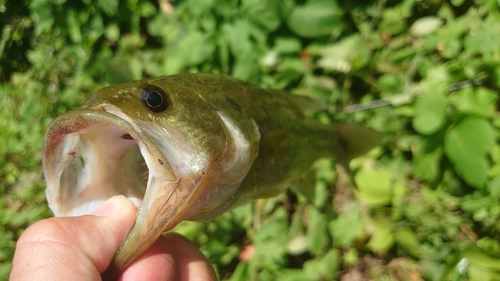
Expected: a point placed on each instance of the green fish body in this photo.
(188, 146)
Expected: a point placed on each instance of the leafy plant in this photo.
(424, 205)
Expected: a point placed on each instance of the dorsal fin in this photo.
(304, 104)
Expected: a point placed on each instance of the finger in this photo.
(171, 257)
(157, 263)
(193, 265)
(73, 248)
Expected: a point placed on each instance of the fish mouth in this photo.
(94, 153)
(91, 155)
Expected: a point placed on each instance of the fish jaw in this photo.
(91, 155)
(190, 197)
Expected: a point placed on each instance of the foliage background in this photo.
(426, 204)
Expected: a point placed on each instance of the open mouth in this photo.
(92, 155)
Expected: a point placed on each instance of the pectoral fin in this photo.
(272, 142)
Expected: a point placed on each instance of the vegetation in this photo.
(423, 206)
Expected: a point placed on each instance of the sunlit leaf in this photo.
(480, 101)
(375, 186)
(426, 165)
(383, 236)
(316, 18)
(425, 26)
(347, 227)
(466, 145)
(480, 257)
(265, 13)
(324, 267)
(407, 239)
(317, 236)
(484, 39)
(430, 113)
(110, 7)
(345, 56)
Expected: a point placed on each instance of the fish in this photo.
(186, 147)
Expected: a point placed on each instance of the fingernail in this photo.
(111, 207)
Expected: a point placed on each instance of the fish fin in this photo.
(272, 142)
(356, 141)
(306, 184)
(305, 104)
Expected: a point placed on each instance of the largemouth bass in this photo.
(185, 147)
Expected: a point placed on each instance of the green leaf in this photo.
(293, 275)
(392, 20)
(494, 187)
(74, 26)
(351, 257)
(374, 186)
(110, 7)
(265, 13)
(199, 7)
(323, 268)
(195, 48)
(189, 229)
(245, 68)
(390, 83)
(285, 45)
(350, 54)
(241, 272)
(163, 25)
(426, 164)
(291, 68)
(430, 113)
(425, 26)
(452, 49)
(479, 273)
(270, 241)
(317, 235)
(237, 35)
(298, 245)
(383, 237)
(484, 40)
(316, 18)
(480, 257)
(112, 32)
(457, 3)
(466, 145)
(408, 240)
(480, 101)
(42, 15)
(347, 227)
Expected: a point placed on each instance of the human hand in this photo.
(81, 248)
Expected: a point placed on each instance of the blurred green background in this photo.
(426, 73)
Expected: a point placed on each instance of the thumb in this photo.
(73, 248)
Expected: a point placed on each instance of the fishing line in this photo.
(405, 97)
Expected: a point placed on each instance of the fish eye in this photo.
(154, 98)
